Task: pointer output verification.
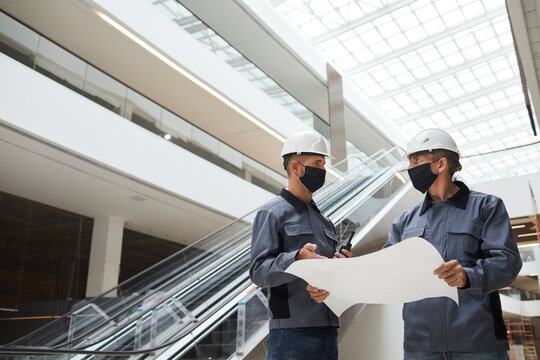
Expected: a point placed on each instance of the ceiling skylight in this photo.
(432, 63)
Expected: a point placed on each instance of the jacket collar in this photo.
(296, 202)
(459, 199)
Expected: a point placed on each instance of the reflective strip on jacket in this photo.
(473, 228)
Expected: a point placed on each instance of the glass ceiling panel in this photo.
(432, 63)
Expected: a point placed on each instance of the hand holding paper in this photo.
(397, 274)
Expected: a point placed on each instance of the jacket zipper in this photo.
(444, 327)
(444, 299)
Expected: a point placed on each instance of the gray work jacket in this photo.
(474, 229)
(282, 227)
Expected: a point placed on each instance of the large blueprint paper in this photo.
(400, 273)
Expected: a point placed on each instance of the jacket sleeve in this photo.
(501, 261)
(395, 233)
(268, 263)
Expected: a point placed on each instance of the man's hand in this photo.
(308, 252)
(346, 254)
(452, 272)
(316, 294)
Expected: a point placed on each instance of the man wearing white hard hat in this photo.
(472, 232)
(290, 228)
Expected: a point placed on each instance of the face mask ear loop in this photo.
(304, 166)
(434, 161)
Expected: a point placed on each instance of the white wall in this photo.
(377, 334)
(529, 308)
(515, 193)
(36, 105)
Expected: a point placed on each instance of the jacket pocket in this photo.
(464, 240)
(296, 236)
(416, 322)
(413, 232)
(331, 235)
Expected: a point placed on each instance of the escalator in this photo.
(199, 303)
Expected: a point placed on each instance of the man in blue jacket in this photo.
(472, 232)
(288, 228)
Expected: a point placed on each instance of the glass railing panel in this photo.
(46, 357)
(51, 60)
(59, 64)
(122, 302)
(105, 90)
(143, 111)
(371, 206)
(18, 41)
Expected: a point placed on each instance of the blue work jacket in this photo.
(474, 229)
(281, 228)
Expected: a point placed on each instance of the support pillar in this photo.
(336, 108)
(105, 254)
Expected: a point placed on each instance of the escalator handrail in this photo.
(38, 350)
(133, 301)
(114, 315)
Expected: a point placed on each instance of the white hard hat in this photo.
(431, 139)
(305, 142)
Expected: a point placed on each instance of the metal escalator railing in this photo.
(172, 308)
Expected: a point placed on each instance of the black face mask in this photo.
(313, 178)
(422, 177)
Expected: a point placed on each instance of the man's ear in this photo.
(293, 164)
(443, 164)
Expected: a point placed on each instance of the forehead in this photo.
(420, 157)
(315, 158)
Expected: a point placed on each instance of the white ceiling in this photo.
(445, 63)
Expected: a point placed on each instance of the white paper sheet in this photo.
(400, 273)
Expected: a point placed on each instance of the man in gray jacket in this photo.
(288, 228)
(472, 232)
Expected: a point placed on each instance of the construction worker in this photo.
(472, 232)
(289, 228)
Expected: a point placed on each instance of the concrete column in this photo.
(105, 254)
(336, 108)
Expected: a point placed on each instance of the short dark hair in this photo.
(452, 157)
(289, 158)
